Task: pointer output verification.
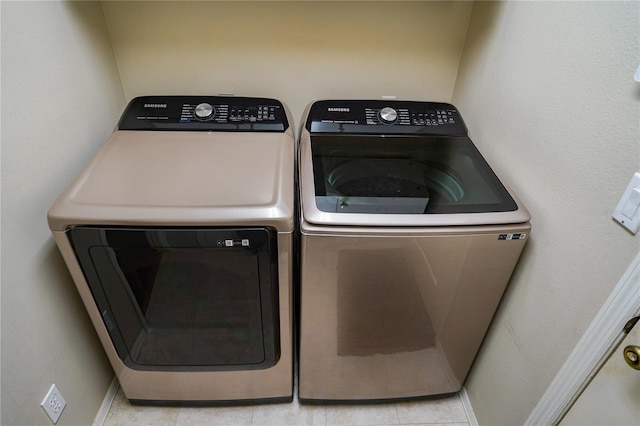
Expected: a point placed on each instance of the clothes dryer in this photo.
(408, 240)
(178, 235)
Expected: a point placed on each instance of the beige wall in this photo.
(61, 98)
(547, 90)
(293, 51)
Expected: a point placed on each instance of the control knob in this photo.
(204, 111)
(388, 115)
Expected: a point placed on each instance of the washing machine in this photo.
(178, 236)
(408, 241)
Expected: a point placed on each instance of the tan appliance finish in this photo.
(393, 306)
(189, 179)
(397, 313)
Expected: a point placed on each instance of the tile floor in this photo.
(447, 411)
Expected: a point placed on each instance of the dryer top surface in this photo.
(191, 178)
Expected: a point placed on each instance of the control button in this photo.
(204, 111)
(388, 115)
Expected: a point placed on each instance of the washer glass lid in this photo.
(404, 174)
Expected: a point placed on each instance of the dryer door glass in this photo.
(185, 299)
(414, 175)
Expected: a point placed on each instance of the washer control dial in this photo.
(204, 111)
(388, 115)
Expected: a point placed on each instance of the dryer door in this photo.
(185, 299)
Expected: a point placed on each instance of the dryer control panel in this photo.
(204, 113)
(385, 117)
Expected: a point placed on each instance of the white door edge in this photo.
(603, 336)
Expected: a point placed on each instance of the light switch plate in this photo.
(628, 212)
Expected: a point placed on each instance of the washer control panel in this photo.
(210, 113)
(385, 117)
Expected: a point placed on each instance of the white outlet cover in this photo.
(622, 211)
(53, 404)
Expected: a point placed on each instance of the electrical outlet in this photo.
(53, 404)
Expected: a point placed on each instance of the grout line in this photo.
(395, 409)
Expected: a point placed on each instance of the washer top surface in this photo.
(193, 173)
(397, 163)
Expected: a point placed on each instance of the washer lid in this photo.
(183, 178)
(401, 181)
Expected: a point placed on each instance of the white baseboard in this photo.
(106, 403)
(466, 403)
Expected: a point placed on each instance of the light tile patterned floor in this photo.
(446, 411)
